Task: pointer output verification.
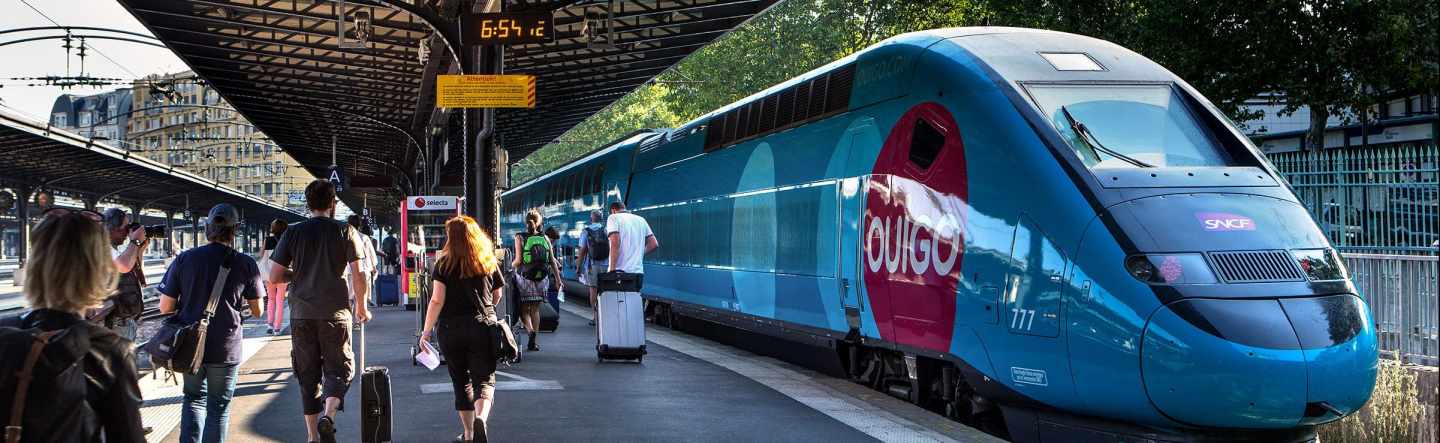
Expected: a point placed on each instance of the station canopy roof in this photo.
(59, 160)
(281, 65)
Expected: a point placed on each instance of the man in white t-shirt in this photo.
(630, 239)
(368, 258)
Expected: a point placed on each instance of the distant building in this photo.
(1408, 120)
(104, 116)
(178, 120)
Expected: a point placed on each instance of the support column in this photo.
(482, 200)
(91, 202)
(194, 230)
(169, 233)
(22, 215)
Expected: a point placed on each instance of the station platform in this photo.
(688, 388)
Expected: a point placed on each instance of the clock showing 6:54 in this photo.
(507, 28)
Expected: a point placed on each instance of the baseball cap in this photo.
(223, 215)
(114, 217)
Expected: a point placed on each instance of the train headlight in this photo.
(1320, 264)
(1170, 269)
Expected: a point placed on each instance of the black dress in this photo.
(467, 345)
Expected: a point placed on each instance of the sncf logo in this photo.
(1222, 221)
(899, 245)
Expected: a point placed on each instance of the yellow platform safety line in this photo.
(485, 91)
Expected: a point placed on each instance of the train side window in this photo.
(925, 144)
(575, 180)
(600, 183)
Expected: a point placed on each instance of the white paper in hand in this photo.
(428, 356)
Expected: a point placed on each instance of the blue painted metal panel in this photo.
(1204, 379)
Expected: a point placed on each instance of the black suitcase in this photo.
(549, 319)
(375, 406)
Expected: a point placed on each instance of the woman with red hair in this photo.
(467, 286)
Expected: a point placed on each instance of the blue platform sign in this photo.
(337, 177)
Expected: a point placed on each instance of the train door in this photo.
(1027, 351)
(1032, 293)
(913, 235)
(852, 214)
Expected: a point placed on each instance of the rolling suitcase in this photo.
(375, 406)
(621, 323)
(387, 290)
(549, 318)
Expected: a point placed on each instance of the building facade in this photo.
(102, 116)
(1404, 119)
(176, 119)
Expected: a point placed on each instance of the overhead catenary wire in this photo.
(92, 48)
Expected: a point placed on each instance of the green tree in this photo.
(793, 37)
(1335, 57)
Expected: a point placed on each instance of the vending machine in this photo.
(422, 229)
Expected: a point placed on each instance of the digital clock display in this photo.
(507, 28)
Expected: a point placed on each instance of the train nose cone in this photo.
(1259, 363)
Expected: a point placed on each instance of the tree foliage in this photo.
(1334, 56)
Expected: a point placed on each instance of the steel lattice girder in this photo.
(279, 64)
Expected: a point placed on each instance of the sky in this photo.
(47, 57)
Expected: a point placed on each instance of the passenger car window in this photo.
(925, 144)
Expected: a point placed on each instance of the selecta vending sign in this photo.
(433, 203)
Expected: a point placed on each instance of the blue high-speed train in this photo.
(1041, 233)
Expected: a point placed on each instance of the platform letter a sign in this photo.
(337, 177)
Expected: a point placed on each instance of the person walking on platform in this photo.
(535, 272)
(467, 286)
(553, 293)
(127, 251)
(368, 259)
(319, 250)
(630, 239)
(275, 292)
(594, 257)
(186, 291)
(69, 271)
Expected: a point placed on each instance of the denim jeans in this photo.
(207, 401)
(128, 329)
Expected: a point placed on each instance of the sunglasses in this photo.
(61, 212)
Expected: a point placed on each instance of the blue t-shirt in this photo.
(189, 280)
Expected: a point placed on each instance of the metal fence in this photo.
(1379, 200)
(1402, 291)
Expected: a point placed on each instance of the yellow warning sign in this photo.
(485, 91)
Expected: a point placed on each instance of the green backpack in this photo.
(535, 257)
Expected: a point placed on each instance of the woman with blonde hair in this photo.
(467, 286)
(69, 271)
(537, 271)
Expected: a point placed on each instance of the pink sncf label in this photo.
(1224, 221)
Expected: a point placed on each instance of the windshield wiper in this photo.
(1094, 143)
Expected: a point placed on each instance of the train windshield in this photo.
(1128, 126)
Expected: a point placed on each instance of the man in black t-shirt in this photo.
(319, 250)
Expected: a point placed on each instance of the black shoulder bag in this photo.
(507, 351)
(180, 347)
